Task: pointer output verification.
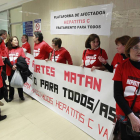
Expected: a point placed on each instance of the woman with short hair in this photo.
(92, 52)
(41, 50)
(119, 57)
(60, 54)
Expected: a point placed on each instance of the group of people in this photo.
(125, 66)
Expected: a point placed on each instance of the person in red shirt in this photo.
(14, 51)
(3, 36)
(119, 57)
(26, 46)
(60, 54)
(1, 85)
(126, 84)
(92, 52)
(41, 49)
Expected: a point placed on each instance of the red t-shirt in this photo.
(27, 47)
(130, 78)
(3, 49)
(42, 50)
(90, 57)
(12, 56)
(118, 59)
(1, 64)
(62, 56)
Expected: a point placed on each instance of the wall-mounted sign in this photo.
(37, 25)
(82, 21)
(28, 28)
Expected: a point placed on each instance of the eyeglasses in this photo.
(135, 48)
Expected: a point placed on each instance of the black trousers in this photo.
(11, 90)
(124, 135)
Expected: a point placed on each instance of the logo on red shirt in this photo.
(13, 56)
(36, 52)
(56, 58)
(90, 60)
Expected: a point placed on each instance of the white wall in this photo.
(125, 21)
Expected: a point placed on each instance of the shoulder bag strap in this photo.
(135, 97)
(54, 55)
(85, 52)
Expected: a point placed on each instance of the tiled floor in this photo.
(30, 120)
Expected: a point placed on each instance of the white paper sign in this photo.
(82, 21)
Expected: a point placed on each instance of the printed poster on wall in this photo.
(37, 25)
(82, 21)
(28, 28)
(82, 97)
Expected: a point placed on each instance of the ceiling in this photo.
(7, 4)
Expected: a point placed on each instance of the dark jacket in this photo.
(23, 68)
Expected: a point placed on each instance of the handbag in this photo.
(17, 81)
(129, 129)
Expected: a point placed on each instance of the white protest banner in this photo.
(82, 97)
(37, 25)
(28, 86)
(82, 21)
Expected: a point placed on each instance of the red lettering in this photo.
(75, 21)
(89, 122)
(51, 100)
(42, 68)
(97, 84)
(27, 85)
(48, 99)
(66, 75)
(38, 68)
(60, 105)
(93, 82)
(89, 80)
(71, 110)
(80, 78)
(28, 60)
(88, 20)
(76, 113)
(81, 119)
(73, 77)
(67, 110)
(52, 72)
(57, 103)
(100, 131)
(47, 70)
(64, 106)
(33, 63)
(106, 133)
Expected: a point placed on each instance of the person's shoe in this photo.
(10, 99)
(22, 98)
(1, 104)
(3, 117)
